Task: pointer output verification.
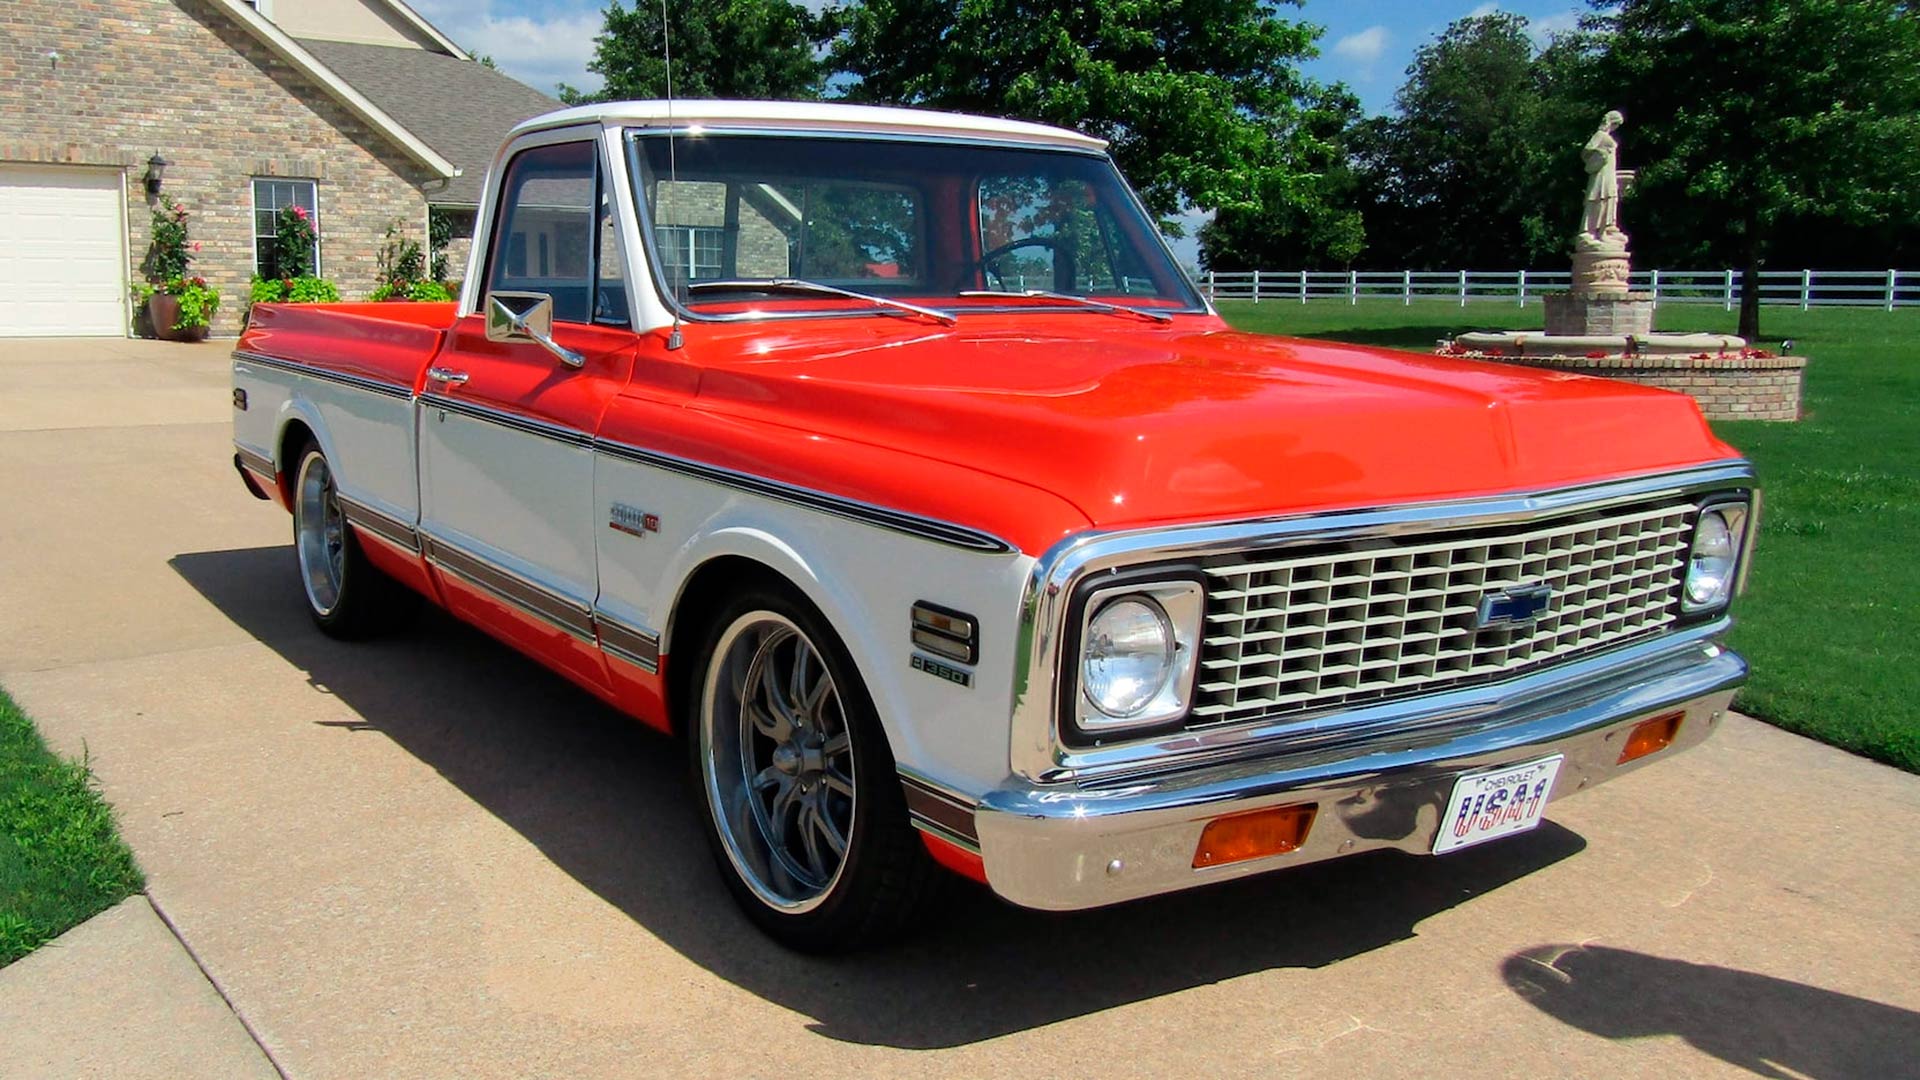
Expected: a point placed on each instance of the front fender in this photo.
(864, 581)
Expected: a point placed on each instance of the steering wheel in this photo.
(987, 258)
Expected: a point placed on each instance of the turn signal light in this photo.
(1651, 735)
(1254, 835)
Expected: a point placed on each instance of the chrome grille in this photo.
(1299, 630)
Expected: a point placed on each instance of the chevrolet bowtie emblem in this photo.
(1512, 607)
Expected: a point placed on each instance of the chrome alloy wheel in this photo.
(320, 534)
(777, 761)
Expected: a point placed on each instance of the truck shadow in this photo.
(1767, 1026)
(582, 782)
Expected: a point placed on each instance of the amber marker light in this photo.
(1253, 835)
(1651, 735)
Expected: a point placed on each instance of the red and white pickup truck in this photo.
(889, 458)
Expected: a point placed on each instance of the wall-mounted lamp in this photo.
(156, 169)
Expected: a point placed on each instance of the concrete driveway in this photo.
(426, 857)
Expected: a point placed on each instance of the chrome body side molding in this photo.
(936, 810)
(256, 461)
(638, 647)
(382, 525)
(293, 367)
(523, 424)
(535, 600)
(925, 528)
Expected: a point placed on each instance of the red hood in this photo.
(1135, 425)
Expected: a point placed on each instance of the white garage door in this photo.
(62, 271)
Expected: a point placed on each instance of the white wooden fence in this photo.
(1804, 289)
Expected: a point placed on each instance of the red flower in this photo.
(1596, 355)
(300, 212)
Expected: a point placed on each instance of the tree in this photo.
(1201, 100)
(721, 49)
(1747, 115)
(1480, 166)
(1321, 226)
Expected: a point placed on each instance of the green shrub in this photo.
(305, 289)
(403, 270)
(423, 291)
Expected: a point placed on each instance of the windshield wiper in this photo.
(1098, 305)
(798, 285)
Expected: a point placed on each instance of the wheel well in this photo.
(292, 438)
(706, 590)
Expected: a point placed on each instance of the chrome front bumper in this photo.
(1066, 846)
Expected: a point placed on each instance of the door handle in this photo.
(447, 375)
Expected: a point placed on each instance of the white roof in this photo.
(811, 116)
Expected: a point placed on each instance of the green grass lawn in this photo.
(1831, 620)
(61, 860)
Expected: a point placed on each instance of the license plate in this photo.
(1495, 803)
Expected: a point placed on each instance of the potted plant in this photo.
(179, 306)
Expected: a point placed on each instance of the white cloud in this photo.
(1363, 47)
(1543, 28)
(541, 49)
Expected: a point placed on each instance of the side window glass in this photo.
(610, 287)
(544, 241)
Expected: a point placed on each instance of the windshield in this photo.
(740, 218)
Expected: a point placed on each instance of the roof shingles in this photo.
(460, 108)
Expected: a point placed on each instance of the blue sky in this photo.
(1368, 43)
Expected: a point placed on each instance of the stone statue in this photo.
(1601, 221)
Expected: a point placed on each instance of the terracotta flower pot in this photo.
(163, 311)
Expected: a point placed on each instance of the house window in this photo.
(269, 198)
(691, 253)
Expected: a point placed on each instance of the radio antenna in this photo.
(674, 340)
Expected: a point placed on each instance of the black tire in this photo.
(347, 596)
(884, 875)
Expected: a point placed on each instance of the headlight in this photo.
(1713, 558)
(1139, 645)
(1129, 656)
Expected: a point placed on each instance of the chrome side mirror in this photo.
(526, 316)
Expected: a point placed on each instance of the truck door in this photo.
(506, 427)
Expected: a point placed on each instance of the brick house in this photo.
(358, 110)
